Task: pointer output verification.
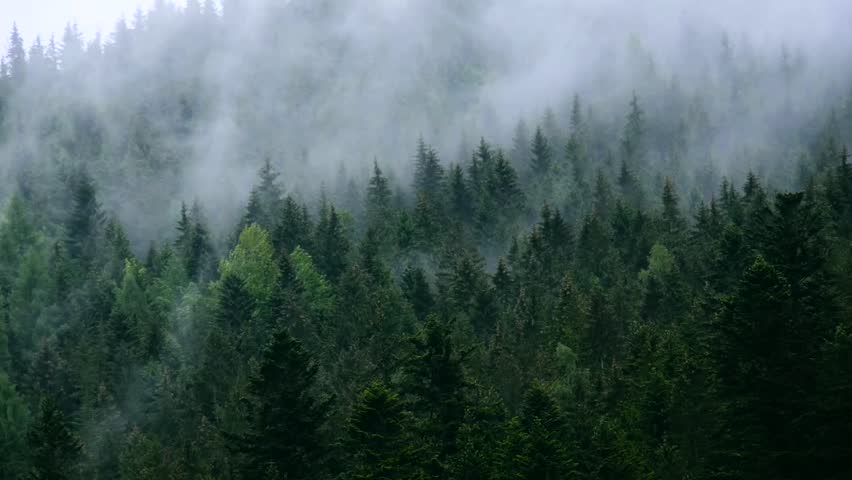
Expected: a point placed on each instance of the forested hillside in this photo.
(263, 241)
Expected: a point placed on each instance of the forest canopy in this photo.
(383, 240)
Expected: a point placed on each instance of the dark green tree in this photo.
(54, 448)
(285, 418)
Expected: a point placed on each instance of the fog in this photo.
(44, 18)
(190, 104)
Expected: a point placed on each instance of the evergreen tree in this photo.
(460, 202)
(536, 447)
(83, 227)
(378, 199)
(17, 57)
(542, 154)
(429, 174)
(633, 143)
(520, 144)
(285, 419)
(436, 381)
(671, 221)
(415, 288)
(331, 246)
(628, 184)
(293, 228)
(378, 438)
(54, 449)
(14, 422)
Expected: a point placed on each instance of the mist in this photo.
(317, 85)
(431, 239)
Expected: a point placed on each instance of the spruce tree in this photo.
(379, 439)
(331, 246)
(53, 446)
(285, 418)
(542, 154)
(84, 223)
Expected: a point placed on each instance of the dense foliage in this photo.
(586, 303)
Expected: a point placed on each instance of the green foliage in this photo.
(379, 439)
(14, 422)
(53, 447)
(253, 262)
(318, 293)
(285, 419)
(594, 302)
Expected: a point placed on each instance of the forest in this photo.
(348, 240)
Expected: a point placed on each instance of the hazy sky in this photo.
(46, 17)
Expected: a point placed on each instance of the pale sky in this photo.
(46, 17)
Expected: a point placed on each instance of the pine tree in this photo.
(331, 246)
(378, 439)
(85, 220)
(602, 198)
(429, 174)
(520, 144)
(378, 199)
(504, 188)
(235, 304)
(415, 288)
(436, 381)
(754, 367)
(17, 57)
(575, 149)
(633, 137)
(459, 201)
(14, 421)
(671, 221)
(629, 186)
(542, 154)
(285, 435)
(54, 449)
(293, 228)
(536, 447)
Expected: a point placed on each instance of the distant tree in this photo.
(542, 154)
(415, 288)
(520, 145)
(253, 262)
(429, 174)
(628, 184)
(17, 57)
(83, 228)
(331, 245)
(633, 138)
(459, 202)
(378, 198)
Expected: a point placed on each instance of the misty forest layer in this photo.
(264, 242)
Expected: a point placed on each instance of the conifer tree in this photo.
(633, 138)
(429, 174)
(54, 448)
(83, 227)
(285, 435)
(378, 198)
(415, 288)
(331, 246)
(436, 381)
(17, 57)
(542, 154)
(379, 439)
